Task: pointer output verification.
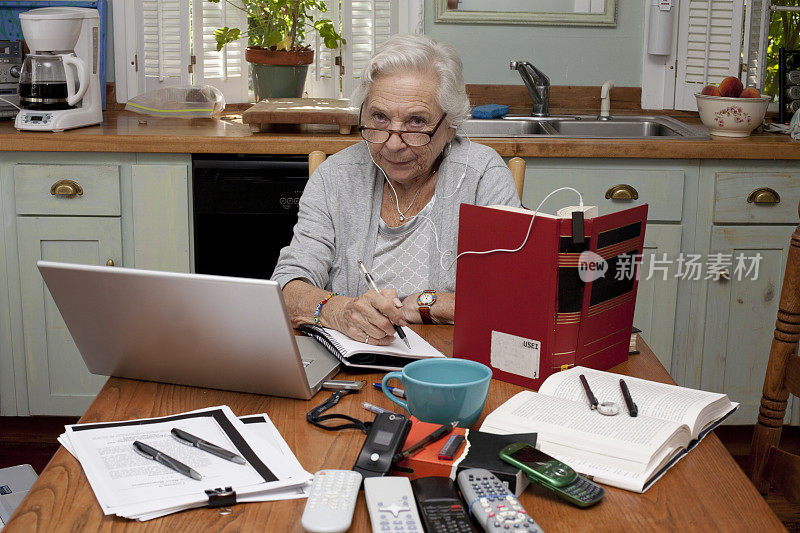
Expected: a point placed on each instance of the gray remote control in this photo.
(331, 502)
(391, 505)
(492, 505)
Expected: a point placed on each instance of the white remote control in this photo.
(492, 505)
(391, 505)
(331, 502)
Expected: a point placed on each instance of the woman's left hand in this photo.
(410, 309)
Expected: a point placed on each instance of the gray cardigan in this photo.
(340, 208)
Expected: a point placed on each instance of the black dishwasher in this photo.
(245, 207)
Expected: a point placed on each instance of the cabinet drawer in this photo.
(661, 189)
(733, 189)
(67, 190)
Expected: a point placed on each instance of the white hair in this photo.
(420, 53)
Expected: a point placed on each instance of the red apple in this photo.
(750, 92)
(731, 87)
(711, 90)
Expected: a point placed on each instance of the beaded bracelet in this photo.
(323, 302)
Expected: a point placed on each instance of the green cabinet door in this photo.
(57, 379)
(741, 313)
(160, 217)
(657, 295)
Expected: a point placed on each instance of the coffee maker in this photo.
(59, 82)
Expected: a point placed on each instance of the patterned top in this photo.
(401, 254)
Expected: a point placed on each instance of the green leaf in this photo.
(273, 38)
(226, 35)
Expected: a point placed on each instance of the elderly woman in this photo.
(392, 201)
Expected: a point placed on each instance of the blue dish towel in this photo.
(489, 111)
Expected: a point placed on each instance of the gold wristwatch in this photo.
(424, 302)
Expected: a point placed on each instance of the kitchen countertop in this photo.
(124, 131)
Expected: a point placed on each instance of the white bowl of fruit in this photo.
(731, 110)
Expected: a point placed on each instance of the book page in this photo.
(619, 477)
(656, 400)
(420, 349)
(612, 440)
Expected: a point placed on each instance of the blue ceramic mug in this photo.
(442, 390)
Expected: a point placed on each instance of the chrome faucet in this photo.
(538, 85)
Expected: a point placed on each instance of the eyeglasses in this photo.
(411, 138)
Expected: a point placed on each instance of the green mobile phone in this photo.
(552, 474)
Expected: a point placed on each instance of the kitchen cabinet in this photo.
(740, 315)
(667, 187)
(113, 209)
(58, 382)
(733, 319)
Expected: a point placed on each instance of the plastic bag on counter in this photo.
(190, 101)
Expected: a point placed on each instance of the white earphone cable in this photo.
(445, 253)
(527, 235)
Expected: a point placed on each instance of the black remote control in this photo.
(440, 507)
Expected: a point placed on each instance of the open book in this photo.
(623, 451)
(356, 354)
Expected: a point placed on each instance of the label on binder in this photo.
(514, 354)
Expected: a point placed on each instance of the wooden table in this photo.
(705, 491)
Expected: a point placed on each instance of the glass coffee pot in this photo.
(47, 81)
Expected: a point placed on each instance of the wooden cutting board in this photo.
(301, 111)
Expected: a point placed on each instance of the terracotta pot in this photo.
(261, 56)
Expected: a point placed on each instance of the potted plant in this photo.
(276, 33)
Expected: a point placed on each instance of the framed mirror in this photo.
(535, 12)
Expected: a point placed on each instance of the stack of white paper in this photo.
(132, 486)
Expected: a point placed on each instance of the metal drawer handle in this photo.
(764, 195)
(622, 192)
(66, 188)
(110, 263)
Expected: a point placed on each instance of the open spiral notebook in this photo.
(356, 354)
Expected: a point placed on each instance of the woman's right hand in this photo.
(366, 318)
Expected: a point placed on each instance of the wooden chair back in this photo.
(315, 159)
(517, 167)
(769, 465)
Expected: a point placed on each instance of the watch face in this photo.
(426, 298)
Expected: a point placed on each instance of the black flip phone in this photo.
(384, 440)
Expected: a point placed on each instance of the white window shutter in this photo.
(756, 34)
(366, 24)
(323, 74)
(709, 46)
(226, 70)
(163, 47)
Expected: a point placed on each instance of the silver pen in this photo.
(160, 457)
(374, 408)
(371, 283)
(190, 440)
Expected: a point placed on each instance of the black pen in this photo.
(371, 283)
(160, 457)
(592, 399)
(189, 439)
(437, 434)
(632, 409)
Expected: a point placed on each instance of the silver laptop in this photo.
(191, 329)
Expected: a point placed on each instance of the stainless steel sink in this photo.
(620, 127)
(503, 128)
